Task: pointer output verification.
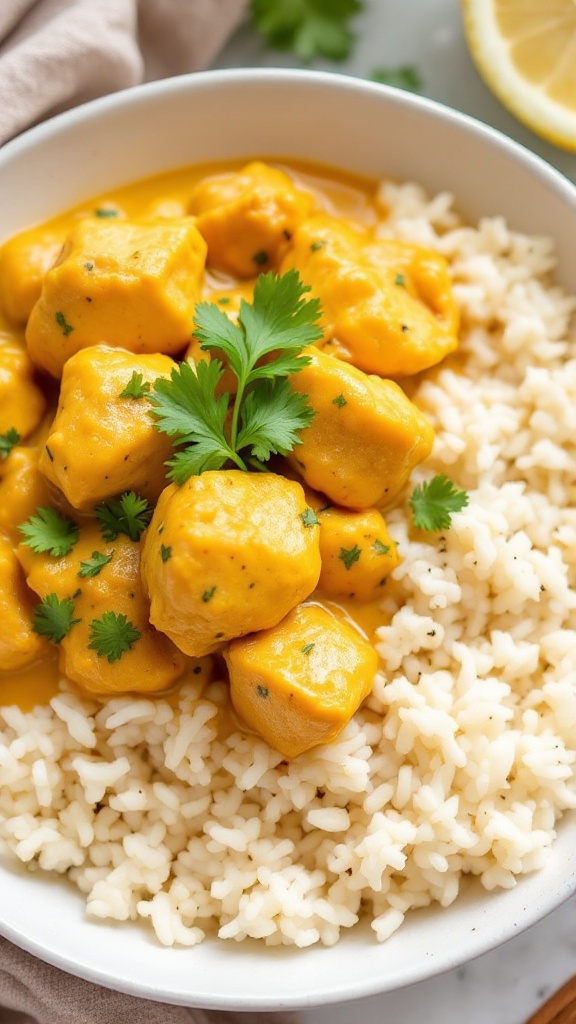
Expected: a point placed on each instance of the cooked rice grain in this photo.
(461, 761)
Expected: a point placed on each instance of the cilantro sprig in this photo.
(262, 349)
(434, 502)
(49, 531)
(54, 618)
(311, 28)
(8, 441)
(129, 514)
(112, 635)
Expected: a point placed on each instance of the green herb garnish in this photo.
(208, 594)
(127, 514)
(310, 28)
(8, 441)
(307, 648)
(93, 565)
(136, 387)
(165, 553)
(309, 517)
(434, 502)
(53, 618)
(49, 531)
(401, 78)
(379, 548)
(267, 414)
(340, 401)
(112, 635)
(61, 321)
(350, 555)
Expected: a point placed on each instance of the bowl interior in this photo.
(369, 130)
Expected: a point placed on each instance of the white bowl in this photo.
(374, 131)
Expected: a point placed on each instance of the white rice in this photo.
(462, 760)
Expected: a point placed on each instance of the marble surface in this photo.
(507, 985)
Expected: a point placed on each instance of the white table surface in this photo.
(507, 985)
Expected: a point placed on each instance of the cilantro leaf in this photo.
(49, 531)
(309, 517)
(266, 413)
(187, 408)
(8, 441)
(53, 618)
(433, 503)
(311, 28)
(350, 555)
(112, 635)
(136, 387)
(92, 566)
(127, 514)
(401, 78)
(272, 415)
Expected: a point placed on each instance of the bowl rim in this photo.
(97, 109)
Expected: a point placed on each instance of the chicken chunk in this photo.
(248, 217)
(299, 683)
(226, 554)
(22, 402)
(147, 661)
(357, 552)
(24, 260)
(103, 441)
(19, 644)
(22, 488)
(126, 284)
(387, 306)
(366, 436)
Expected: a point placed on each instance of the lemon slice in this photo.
(525, 50)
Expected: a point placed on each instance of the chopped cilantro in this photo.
(8, 441)
(434, 502)
(93, 565)
(50, 531)
(340, 401)
(208, 594)
(310, 28)
(379, 548)
(54, 618)
(61, 321)
(309, 517)
(165, 553)
(136, 387)
(112, 635)
(127, 514)
(307, 648)
(405, 77)
(350, 555)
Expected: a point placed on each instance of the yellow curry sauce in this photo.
(104, 295)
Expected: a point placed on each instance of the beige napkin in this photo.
(55, 54)
(31, 992)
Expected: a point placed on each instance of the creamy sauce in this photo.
(167, 195)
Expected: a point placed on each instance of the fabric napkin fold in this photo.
(55, 54)
(32, 992)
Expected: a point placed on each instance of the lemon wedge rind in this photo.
(525, 99)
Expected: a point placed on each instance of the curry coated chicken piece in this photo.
(19, 644)
(147, 661)
(357, 552)
(22, 402)
(228, 553)
(248, 217)
(23, 488)
(24, 260)
(127, 284)
(387, 306)
(103, 440)
(299, 683)
(366, 436)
